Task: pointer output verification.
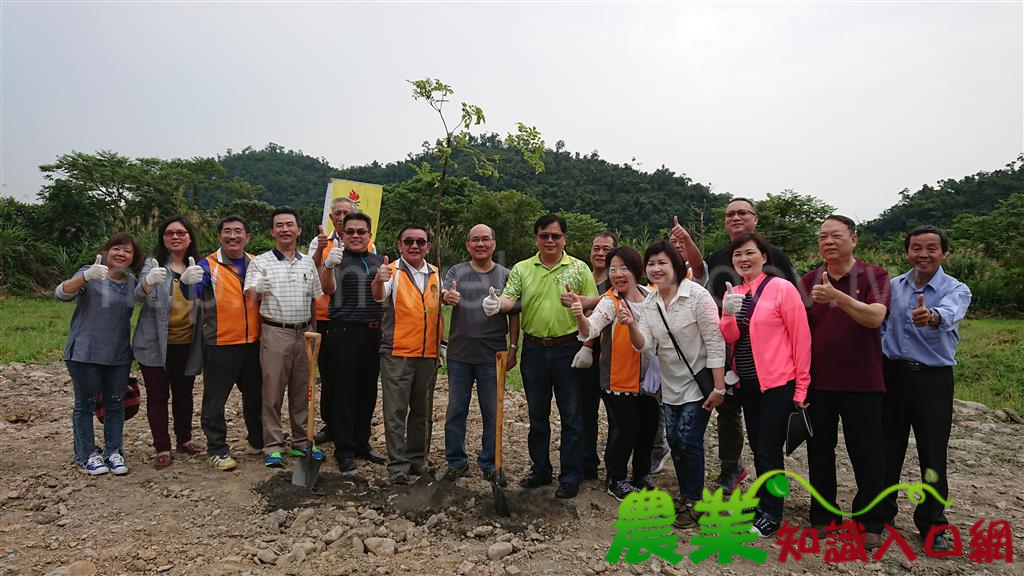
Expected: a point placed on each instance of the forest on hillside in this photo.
(87, 197)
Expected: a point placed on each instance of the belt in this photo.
(361, 323)
(285, 325)
(549, 342)
(911, 366)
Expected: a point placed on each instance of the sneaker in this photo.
(274, 460)
(660, 464)
(251, 450)
(686, 516)
(620, 489)
(224, 463)
(729, 482)
(95, 466)
(117, 465)
(643, 483)
(497, 476)
(765, 527)
(453, 474)
(318, 454)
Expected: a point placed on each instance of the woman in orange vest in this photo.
(622, 369)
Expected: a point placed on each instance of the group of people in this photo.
(663, 339)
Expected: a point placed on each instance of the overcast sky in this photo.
(850, 102)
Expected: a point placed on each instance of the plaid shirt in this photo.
(293, 284)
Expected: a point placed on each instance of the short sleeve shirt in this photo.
(846, 356)
(473, 336)
(540, 289)
(293, 283)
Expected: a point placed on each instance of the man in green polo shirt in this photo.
(549, 345)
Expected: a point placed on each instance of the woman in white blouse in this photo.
(621, 370)
(695, 343)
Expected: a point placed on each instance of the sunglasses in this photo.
(550, 236)
(417, 241)
(740, 213)
(173, 233)
(356, 231)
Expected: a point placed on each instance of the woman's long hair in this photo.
(160, 250)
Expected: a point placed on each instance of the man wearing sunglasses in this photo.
(549, 346)
(411, 336)
(355, 336)
(740, 218)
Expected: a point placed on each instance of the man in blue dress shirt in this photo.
(919, 339)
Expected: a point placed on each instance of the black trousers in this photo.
(355, 353)
(862, 414)
(637, 418)
(766, 415)
(921, 400)
(326, 368)
(224, 368)
(590, 414)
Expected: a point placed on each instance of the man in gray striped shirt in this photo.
(287, 284)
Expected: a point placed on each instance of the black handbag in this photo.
(705, 379)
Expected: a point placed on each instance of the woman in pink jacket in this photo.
(765, 321)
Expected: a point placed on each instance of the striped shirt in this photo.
(293, 283)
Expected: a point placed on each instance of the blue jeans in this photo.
(460, 391)
(684, 428)
(547, 369)
(89, 381)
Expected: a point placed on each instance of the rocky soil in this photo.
(191, 519)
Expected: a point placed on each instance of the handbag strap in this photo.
(750, 313)
(674, 343)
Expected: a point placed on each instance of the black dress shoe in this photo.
(591, 474)
(346, 465)
(372, 457)
(939, 543)
(322, 436)
(534, 481)
(566, 490)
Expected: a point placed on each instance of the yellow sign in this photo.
(366, 197)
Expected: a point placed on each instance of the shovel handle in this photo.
(500, 359)
(312, 340)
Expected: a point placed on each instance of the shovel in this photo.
(500, 498)
(308, 468)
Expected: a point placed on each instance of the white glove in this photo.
(193, 274)
(731, 303)
(583, 359)
(156, 276)
(333, 257)
(491, 304)
(97, 271)
(263, 284)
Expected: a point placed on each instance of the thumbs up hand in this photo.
(678, 233)
(97, 271)
(384, 272)
(263, 283)
(334, 256)
(321, 239)
(568, 297)
(492, 303)
(576, 306)
(156, 275)
(731, 301)
(625, 316)
(193, 274)
(921, 315)
(825, 293)
(452, 296)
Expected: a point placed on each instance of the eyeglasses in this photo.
(356, 231)
(417, 241)
(173, 233)
(740, 213)
(550, 236)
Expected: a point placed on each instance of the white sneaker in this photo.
(94, 466)
(117, 465)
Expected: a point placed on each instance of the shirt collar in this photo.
(937, 281)
(424, 269)
(280, 256)
(562, 262)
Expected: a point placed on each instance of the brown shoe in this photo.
(872, 540)
(190, 448)
(162, 460)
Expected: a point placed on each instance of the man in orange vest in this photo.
(231, 329)
(318, 249)
(411, 336)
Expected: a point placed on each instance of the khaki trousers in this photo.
(407, 390)
(285, 367)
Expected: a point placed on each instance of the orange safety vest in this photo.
(619, 362)
(228, 316)
(410, 327)
(323, 303)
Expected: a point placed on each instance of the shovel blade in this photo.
(306, 471)
(501, 507)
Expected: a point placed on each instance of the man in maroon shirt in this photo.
(847, 300)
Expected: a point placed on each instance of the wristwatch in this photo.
(933, 317)
(719, 391)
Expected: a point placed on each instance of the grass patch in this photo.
(990, 363)
(990, 358)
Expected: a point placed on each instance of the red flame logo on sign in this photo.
(353, 196)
